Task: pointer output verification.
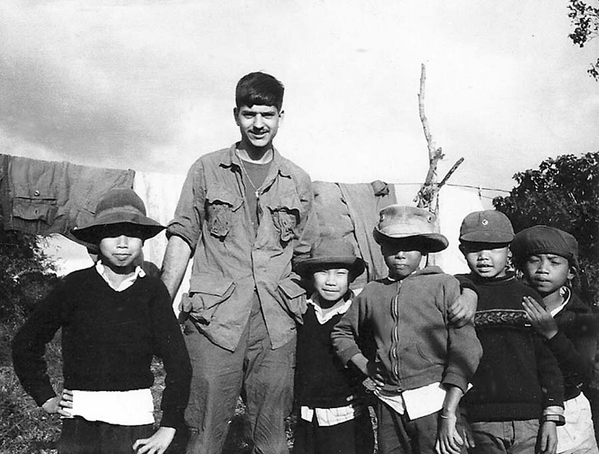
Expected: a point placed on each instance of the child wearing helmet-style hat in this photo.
(548, 260)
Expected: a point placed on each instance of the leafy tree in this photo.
(562, 193)
(25, 273)
(585, 19)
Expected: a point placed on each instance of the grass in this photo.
(24, 427)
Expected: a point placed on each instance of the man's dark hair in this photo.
(259, 89)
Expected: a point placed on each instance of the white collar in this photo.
(324, 315)
(567, 295)
(128, 282)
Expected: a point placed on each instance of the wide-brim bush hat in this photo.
(397, 222)
(331, 253)
(488, 226)
(542, 239)
(118, 206)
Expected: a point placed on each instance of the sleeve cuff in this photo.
(348, 353)
(554, 414)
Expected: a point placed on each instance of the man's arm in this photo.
(307, 232)
(176, 258)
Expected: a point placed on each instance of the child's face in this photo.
(488, 260)
(547, 273)
(258, 124)
(121, 251)
(400, 259)
(331, 284)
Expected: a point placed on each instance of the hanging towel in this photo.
(364, 202)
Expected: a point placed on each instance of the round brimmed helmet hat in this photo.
(542, 239)
(331, 253)
(118, 207)
(488, 226)
(407, 224)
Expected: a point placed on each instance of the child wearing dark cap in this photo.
(422, 363)
(516, 399)
(333, 416)
(548, 260)
(114, 319)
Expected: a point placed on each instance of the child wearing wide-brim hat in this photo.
(332, 414)
(118, 207)
(548, 260)
(422, 363)
(114, 319)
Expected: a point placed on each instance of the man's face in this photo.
(258, 125)
(547, 273)
(488, 260)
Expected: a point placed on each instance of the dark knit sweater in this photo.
(108, 341)
(574, 345)
(321, 379)
(516, 365)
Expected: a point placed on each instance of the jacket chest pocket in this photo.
(35, 205)
(285, 214)
(221, 205)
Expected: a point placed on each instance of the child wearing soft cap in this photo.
(516, 400)
(548, 260)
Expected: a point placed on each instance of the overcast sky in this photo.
(149, 85)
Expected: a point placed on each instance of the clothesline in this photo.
(481, 188)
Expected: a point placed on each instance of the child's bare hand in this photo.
(57, 404)
(157, 443)
(547, 443)
(462, 310)
(541, 320)
(448, 438)
(374, 373)
(368, 368)
(466, 431)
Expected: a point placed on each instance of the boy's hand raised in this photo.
(541, 320)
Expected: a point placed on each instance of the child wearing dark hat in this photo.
(422, 363)
(114, 319)
(333, 416)
(548, 260)
(516, 399)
